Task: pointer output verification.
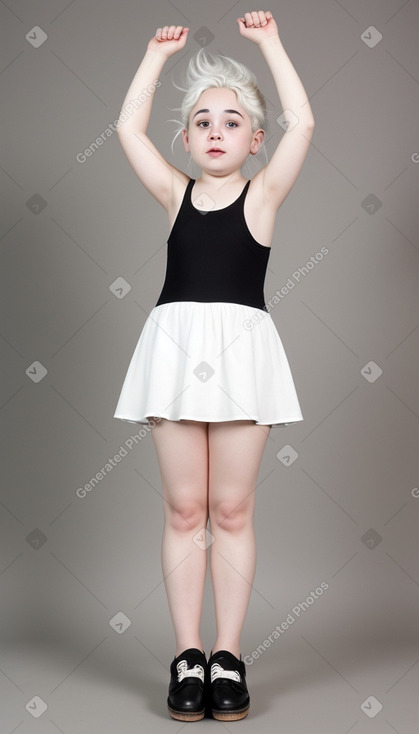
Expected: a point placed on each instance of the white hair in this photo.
(205, 71)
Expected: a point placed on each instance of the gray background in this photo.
(344, 512)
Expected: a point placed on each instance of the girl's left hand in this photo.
(257, 26)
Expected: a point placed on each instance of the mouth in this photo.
(215, 151)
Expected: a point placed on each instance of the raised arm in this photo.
(153, 170)
(280, 174)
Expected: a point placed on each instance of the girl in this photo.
(209, 372)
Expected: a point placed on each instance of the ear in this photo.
(185, 138)
(257, 141)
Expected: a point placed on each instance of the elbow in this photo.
(305, 124)
(308, 129)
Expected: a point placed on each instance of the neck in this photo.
(220, 180)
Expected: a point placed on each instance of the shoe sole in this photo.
(186, 715)
(230, 715)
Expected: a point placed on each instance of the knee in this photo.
(186, 516)
(232, 516)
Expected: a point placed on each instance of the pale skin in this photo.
(210, 470)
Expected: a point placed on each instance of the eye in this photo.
(205, 122)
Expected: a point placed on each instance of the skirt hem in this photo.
(209, 420)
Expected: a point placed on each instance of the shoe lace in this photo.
(183, 671)
(217, 671)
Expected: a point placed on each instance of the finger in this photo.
(262, 17)
(248, 19)
(178, 31)
(255, 18)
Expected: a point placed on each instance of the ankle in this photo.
(234, 649)
(180, 650)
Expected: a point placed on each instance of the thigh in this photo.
(235, 454)
(182, 454)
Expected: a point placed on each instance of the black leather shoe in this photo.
(230, 698)
(186, 688)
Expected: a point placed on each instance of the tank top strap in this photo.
(187, 196)
(242, 196)
(189, 185)
(246, 186)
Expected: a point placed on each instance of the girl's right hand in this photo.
(169, 39)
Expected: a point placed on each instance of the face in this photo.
(224, 124)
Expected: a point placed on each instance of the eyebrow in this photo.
(230, 111)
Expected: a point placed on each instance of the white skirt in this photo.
(213, 361)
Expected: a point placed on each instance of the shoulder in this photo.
(180, 182)
(259, 211)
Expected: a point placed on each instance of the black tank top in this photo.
(211, 256)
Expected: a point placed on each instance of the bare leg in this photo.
(235, 454)
(182, 454)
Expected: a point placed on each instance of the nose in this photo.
(214, 134)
